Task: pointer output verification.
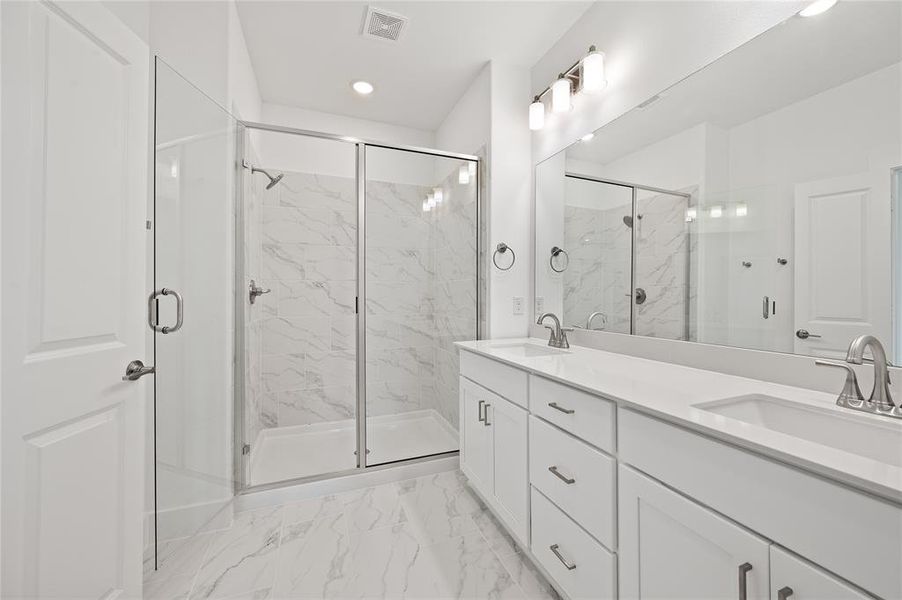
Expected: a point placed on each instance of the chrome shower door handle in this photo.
(179, 311)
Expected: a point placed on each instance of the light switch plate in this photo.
(518, 305)
(540, 305)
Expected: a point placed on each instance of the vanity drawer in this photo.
(589, 499)
(584, 415)
(591, 567)
(506, 381)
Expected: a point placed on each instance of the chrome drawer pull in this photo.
(563, 478)
(554, 548)
(480, 414)
(485, 417)
(784, 593)
(556, 406)
(744, 568)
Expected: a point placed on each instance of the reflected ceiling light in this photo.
(742, 210)
(430, 200)
(715, 212)
(560, 95)
(426, 206)
(472, 166)
(817, 7)
(536, 114)
(463, 175)
(593, 80)
(691, 214)
(587, 137)
(364, 88)
(438, 195)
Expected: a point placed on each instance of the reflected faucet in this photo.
(558, 337)
(597, 313)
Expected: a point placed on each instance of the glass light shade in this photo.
(715, 212)
(536, 115)
(742, 210)
(560, 95)
(593, 72)
(463, 175)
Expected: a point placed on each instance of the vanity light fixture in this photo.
(593, 71)
(560, 95)
(715, 212)
(536, 114)
(463, 175)
(438, 195)
(742, 210)
(587, 74)
(364, 88)
(817, 7)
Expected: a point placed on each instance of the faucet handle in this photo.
(851, 395)
(553, 339)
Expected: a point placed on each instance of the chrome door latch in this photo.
(135, 370)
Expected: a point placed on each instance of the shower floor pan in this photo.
(283, 453)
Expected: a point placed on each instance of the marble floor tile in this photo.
(466, 567)
(388, 563)
(533, 583)
(500, 541)
(374, 507)
(242, 558)
(163, 586)
(313, 559)
(308, 510)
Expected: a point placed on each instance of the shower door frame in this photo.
(635, 187)
(240, 457)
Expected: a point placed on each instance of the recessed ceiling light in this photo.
(587, 137)
(817, 7)
(364, 88)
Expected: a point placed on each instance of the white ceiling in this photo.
(792, 61)
(306, 53)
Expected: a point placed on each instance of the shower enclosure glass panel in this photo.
(421, 296)
(661, 271)
(299, 224)
(193, 226)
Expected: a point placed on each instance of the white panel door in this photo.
(509, 425)
(671, 547)
(843, 283)
(75, 154)
(792, 578)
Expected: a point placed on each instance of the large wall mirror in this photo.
(754, 204)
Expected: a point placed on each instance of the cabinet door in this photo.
(795, 579)
(508, 423)
(475, 443)
(671, 547)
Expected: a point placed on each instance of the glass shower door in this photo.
(421, 296)
(192, 308)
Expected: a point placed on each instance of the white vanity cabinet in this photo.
(493, 453)
(610, 501)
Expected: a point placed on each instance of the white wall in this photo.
(649, 46)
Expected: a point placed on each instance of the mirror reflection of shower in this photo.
(272, 180)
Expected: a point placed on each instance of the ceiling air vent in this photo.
(383, 25)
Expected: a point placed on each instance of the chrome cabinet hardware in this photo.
(485, 415)
(744, 568)
(554, 549)
(151, 312)
(135, 370)
(804, 334)
(765, 308)
(558, 338)
(564, 478)
(850, 396)
(784, 592)
(255, 290)
(556, 406)
(479, 410)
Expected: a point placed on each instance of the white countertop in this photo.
(669, 391)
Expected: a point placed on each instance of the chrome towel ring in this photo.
(555, 252)
(502, 248)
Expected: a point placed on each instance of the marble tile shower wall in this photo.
(598, 278)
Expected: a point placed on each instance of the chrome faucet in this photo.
(881, 399)
(558, 337)
(597, 313)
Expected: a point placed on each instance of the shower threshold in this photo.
(284, 453)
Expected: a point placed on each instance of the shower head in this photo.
(272, 180)
(628, 220)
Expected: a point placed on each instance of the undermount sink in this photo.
(870, 436)
(526, 350)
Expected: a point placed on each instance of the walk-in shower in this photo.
(371, 255)
(324, 282)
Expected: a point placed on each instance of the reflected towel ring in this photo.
(555, 251)
(501, 248)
